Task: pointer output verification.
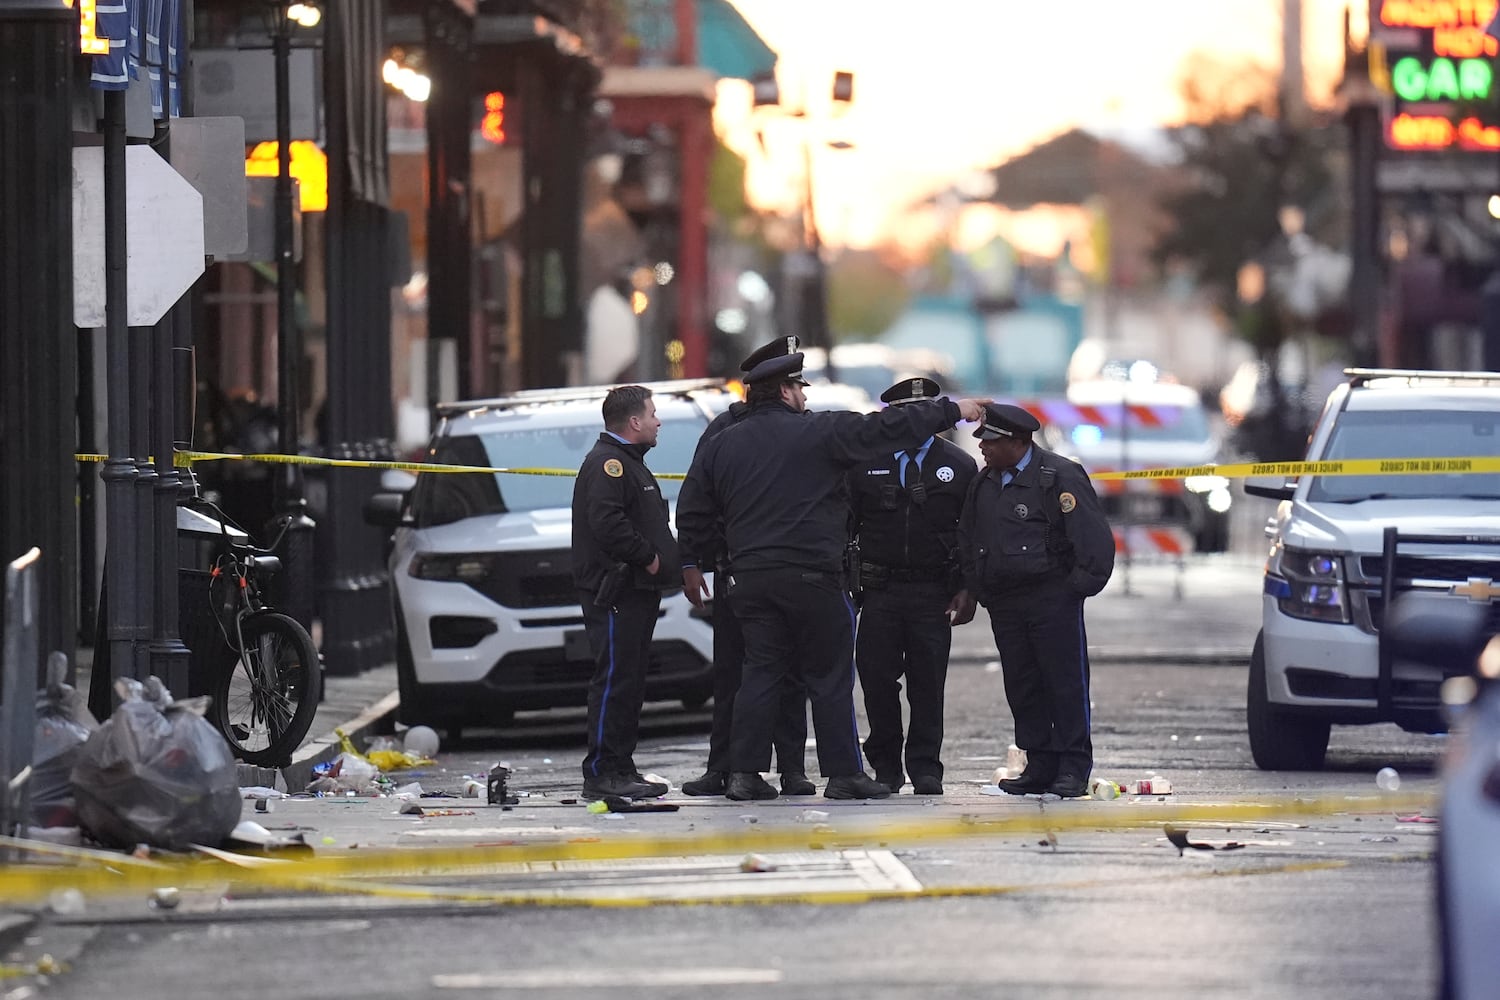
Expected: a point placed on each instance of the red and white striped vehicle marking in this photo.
(1145, 540)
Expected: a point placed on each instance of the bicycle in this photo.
(263, 701)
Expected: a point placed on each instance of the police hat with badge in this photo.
(1002, 420)
(913, 390)
(779, 348)
(910, 390)
(787, 368)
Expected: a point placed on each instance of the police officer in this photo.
(905, 508)
(789, 736)
(1034, 543)
(624, 556)
(776, 481)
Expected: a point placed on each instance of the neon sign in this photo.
(89, 42)
(1442, 79)
(1436, 61)
(492, 125)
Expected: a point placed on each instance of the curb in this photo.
(324, 748)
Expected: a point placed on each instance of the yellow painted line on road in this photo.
(21, 882)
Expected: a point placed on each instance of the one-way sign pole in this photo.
(126, 623)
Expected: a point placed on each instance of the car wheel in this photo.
(411, 711)
(1279, 740)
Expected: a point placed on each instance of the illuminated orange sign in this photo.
(1436, 61)
(492, 125)
(1437, 13)
(89, 42)
(309, 166)
(1435, 132)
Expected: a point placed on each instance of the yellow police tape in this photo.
(109, 873)
(1236, 470)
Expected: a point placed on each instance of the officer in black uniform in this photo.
(1034, 543)
(624, 556)
(776, 481)
(905, 508)
(789, 738)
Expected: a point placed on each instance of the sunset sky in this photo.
(946, 87)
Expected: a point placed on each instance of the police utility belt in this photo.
(876, 575)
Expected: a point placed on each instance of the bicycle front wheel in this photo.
(264, 704)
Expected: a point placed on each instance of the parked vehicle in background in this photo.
(1343, 548)
(487, 617)
(876, 367)
(1118, 424)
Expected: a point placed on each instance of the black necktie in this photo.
(1012, 472)
(913, 467)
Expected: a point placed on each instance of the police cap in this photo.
(787, 368)
(1002, 420)
(911, 389)
(778, 348)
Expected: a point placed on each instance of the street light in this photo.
(811, 312)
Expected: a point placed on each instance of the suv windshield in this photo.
(444, 497)
(1410, 434)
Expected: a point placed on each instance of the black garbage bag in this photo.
(156, 772)
(63, 725)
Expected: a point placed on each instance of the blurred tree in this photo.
(1240, 164)
(865, 294)
(1248, 180)
(726, 185)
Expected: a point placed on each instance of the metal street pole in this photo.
(291, 506)
(125, 625)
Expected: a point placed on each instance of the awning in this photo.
(727, 44)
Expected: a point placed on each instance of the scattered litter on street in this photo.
(421, 740)
(616, 804)
(757, 863)
(165, 898)
(1179, 839)
(1387, 779)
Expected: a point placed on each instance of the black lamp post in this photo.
(291, 520)
(811, 310)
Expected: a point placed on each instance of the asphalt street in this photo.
(1313, 885)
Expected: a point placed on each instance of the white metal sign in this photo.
(164, 235)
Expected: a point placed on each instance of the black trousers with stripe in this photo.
(620, 638)
(789, 735)
(791, 617)
(904, 632)
(1045, 661)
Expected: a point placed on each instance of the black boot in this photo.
(747, 785)
(712, 783)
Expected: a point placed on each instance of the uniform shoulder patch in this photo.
(615, 470)
(1067, 502)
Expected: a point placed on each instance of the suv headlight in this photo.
(457, 567)
(1308, 584)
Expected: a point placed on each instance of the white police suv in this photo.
(1343, 547)
(487, 617)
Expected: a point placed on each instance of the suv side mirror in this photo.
(384, 510)
(1271, 489)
